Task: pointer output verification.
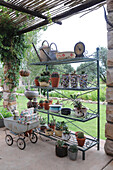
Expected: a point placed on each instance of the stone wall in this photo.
(109, 91)
(8, 95)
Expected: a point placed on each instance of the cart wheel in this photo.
(9, 140)
(33, 138)
(21, 143)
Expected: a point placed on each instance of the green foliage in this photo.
(60, 143)
(5, 113)
(12, 48)
(44, 79)
(54, 74)
(73, 148)
(42, 120)
(61, 125)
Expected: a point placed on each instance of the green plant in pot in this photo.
(55, 78)
(58, 129)
(46, 105)
(66, 134)
(44, 79)
(4, 114)
(80, 110)
(61, 148)
(41, 103)
(72, 152)
(52, 123)
(42, 123)
(49, 131)
(81, 139)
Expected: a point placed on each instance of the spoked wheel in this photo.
(9, 140)
(33, 138)
(21, 143)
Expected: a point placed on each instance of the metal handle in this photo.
(54, 45)
(44, 42)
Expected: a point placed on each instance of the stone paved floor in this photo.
(41, 156)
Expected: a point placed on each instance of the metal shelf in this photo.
(66, 61)
(89, 142)
(88, 117)
(68, 88)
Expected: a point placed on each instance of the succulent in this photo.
(55, 74)
(80, 135)
(52, 122)
(46, 101)
(42, 120)
(77, 104)
(41, 101)
(73, 148)
(60, 143)
(44, 79)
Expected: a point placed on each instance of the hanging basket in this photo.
(24, 73)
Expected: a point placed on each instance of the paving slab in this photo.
(41, 156)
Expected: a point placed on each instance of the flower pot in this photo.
(58, 133)
(44, 84)
(50, 101)
(61, 151)
(74, 80)
(46, 106)
(37, 82)
(72, 156)
(81, 141)
(55, 81)
(24, 73)
(84, 111)
(52, 126)
(78, 112)
(31, 94)
(65, 111)
(48, 133)
(66, 136)
(65, 80)
(43, 127)
(83, 81)
(41, 105)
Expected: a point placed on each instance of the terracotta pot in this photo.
(52, 126)
(46, 106)
(37, 82)
(24, 73)
(41, 105)
(81, 141)
(50, 101)
(55, 81)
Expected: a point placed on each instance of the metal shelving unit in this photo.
(90, 141)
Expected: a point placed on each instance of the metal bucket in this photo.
(52, 53)
(46, 48)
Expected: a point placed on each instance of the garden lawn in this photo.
(90, 126)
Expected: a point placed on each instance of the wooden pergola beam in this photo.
(63, 15)
(21, 9)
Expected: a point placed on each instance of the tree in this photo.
(90, 68)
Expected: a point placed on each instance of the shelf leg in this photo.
(83, 155)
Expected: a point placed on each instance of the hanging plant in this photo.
(12, 48)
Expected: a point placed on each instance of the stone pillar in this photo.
(109, 91)
(9, 95)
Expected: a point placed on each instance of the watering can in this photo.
(44, 51)
(52, 53)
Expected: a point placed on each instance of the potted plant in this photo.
(36, 81)
(55, 78)
(42, 123)
(61, 149)
(83, 80)
(81, 139)
(49, 131)
(72, 152)
(46, 105)
(66, 134)
(52, 123)
(58, 129)
(44, 79)
(80, 110)
(41, 103)
(24, 73)
(5, 113)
